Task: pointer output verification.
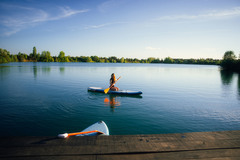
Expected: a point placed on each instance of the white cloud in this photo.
(12, 31)
(21, 18)
(67, 12)
(110, 5)
(97, 26)
(103, 25)
(214, 14)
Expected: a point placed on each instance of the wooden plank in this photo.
(145, 147)
(222, 154)
(225, 143)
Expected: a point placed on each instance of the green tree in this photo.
(122, 60)
(61, 54)
(85, 59)
(89, 59)
(34, 53)
(150, 59)
(229, 61)
(46, 57)
(168, 60)
(229, 55)
(68, 59)
(191, 61)
(22, 57)
(61, 57)
(38, 56)
(82, 59)
(156, 61)
(4, 56)
(15, 58)
(112, 59)
(95, 58)
(102, 60)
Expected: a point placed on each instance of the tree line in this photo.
(229, 61)
(45, 56)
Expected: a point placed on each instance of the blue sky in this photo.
(122, 28)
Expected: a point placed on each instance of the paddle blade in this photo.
(65, 135)
(106, 90)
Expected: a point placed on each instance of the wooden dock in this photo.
(199, 145)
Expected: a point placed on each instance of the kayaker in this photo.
(112, 81)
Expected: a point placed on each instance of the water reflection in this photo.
(4, 71)
(62, 70)
(112, 101)
(35, 71)
(239, 86)
(46, 70)
(227, 78)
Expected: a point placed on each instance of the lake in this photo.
(45, 99)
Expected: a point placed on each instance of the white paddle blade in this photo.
(65, 135)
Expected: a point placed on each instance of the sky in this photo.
(122, 28)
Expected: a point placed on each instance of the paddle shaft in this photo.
(77, 133)
(65, 135)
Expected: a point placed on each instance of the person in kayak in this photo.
(112, 81)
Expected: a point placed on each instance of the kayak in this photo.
(122, 92)
(98, 128)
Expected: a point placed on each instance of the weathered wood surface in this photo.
(198, 145)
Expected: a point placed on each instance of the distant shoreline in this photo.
(229, 62)
(45, 56)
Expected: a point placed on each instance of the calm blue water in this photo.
(52, 98)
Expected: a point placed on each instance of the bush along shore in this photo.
(229, 61)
